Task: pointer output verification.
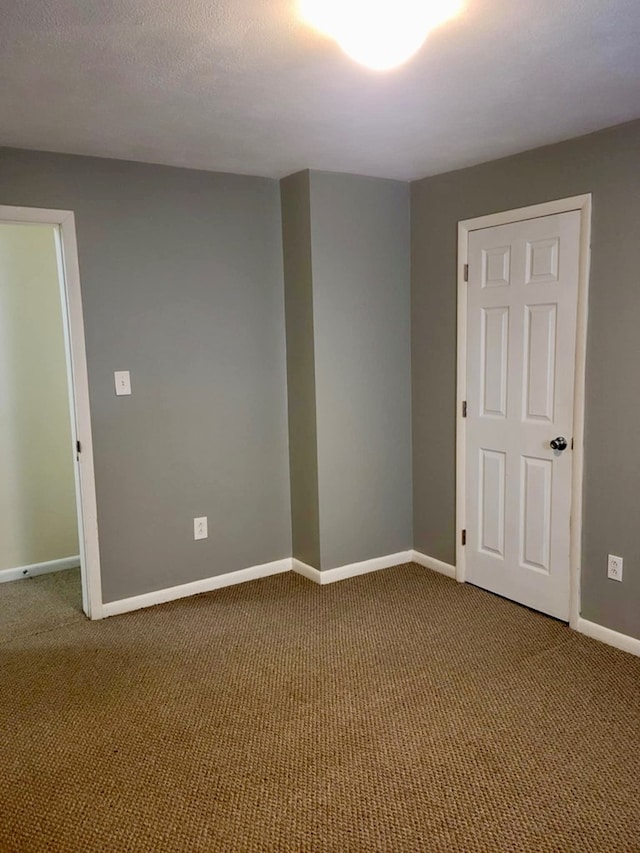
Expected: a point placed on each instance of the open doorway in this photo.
(48, 524)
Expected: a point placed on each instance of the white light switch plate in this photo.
(123, 382)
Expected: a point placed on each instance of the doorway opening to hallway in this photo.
(48, 529)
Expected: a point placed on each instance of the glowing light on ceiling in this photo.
(380, 34)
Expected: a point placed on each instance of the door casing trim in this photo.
(583, 204)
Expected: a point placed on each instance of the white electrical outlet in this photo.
(614, 568)
(123, 382)
(200, 528)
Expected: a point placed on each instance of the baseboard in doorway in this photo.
(611, 638)
(351, 569)
(433, 564)
(36, 569)
(162, 596)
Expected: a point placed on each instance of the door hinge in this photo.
(464, 537)
(78, 447)
(466, 272)
(464, 408)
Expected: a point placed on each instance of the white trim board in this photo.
(351, 569)
(306, 571)
(433, 564)
(162, 596)
(606, 635)
(581, 203)
(36, 569)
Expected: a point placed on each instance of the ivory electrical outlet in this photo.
(200, 528)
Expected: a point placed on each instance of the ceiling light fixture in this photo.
(380, 34)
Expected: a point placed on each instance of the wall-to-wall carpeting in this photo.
(397, 711)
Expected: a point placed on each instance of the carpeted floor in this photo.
(38, 604)
(398, 711)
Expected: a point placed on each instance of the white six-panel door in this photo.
(522, 297)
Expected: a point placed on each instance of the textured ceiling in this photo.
(243, 86)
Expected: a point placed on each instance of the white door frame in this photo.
(581, 203)
(73, 323)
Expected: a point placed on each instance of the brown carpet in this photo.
(397, 711)
(33, 605)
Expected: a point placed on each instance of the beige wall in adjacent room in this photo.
(37, 493)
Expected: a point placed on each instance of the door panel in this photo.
(540, 357)
(492, 489)
(535, 512)
(521, 332)
(495, 338)
(496, 264)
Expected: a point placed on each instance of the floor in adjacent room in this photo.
(397, 711)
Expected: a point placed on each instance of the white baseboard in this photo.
(433, 564)
(352, 569)
(606, 635)
(36, 569)
(161, 596)
(306, 571)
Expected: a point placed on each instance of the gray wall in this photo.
(361, 303)
(606, 164)
(182, 285)
(303, 441)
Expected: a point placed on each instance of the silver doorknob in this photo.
(559, 443)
